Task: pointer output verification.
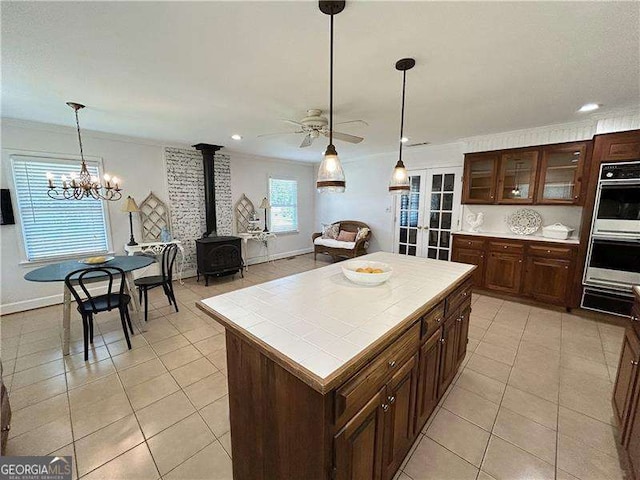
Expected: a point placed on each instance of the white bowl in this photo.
(349, 271)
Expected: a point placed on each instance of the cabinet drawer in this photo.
(364, 384)
(458, 297)
(432, 320)
(468, 242)
(564, 253)
(506, 247)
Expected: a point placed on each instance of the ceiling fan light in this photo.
(399, 184)
(330, 174)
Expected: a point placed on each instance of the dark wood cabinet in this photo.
(358, 446)
(449, 355)
(542, 174)
(463, 332)
(504, 272)
(547, 279)
(480, 177)
(632, 443)
(472, 257)
(400, 417)
(427, 397)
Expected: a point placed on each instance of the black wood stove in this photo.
(216, 255)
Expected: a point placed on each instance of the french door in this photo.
(427, 215)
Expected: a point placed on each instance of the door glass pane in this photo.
(443, 254)
(433, 238)
(413, 236)
(402, 249)
(481, 179)
(444, 239)
(560, 175)
(413, 218)
(403, 235)
(449, 180)
(408, 234)
(435, 201)
(415, 184)
(447, 201)
(432, 253)
(411, 251)
(434, 220)
(446, 221)
(518, 172)
(404, 218)
(436, 183)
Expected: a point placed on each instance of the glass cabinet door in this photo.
(480, 178)
(517, 177)
(560, 172)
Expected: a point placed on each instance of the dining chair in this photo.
(165, 280)
(92, 305)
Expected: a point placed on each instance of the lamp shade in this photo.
(399, 184)
(130, 205)
(265, 203)
(330, 174)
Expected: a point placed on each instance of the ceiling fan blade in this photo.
(345, 137)
(297, 124)
(307, 141)
(353, 121)
(278, 133)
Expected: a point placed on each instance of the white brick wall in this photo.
(185, 179)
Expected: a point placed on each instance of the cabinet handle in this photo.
(392, 363)
(459, 319)
(506, 246)
(548, 251)
(442, 340)
(576, 197)
(519, 261)
(438, 320)
(634, 363)
(464, 294)
(385, 407)
(6, 428)
(566, 268)
(634, 318)
(391, 399)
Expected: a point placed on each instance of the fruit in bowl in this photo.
(367, 273)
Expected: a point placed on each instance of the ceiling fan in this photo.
(316, 124)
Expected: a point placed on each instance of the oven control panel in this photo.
(620, 171)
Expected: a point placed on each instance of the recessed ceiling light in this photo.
(589, 107)
(235, 136)
(404, 139)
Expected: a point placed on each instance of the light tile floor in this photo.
(531, 401)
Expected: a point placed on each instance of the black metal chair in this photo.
(106, 302)
(165, 280)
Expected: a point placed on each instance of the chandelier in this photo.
(77, 187)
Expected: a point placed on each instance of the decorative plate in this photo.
(524, 221)
(96, 260)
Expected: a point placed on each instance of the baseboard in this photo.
(41, 302)
(278, 256)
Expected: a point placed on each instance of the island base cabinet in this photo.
(399, 417)
(626, 379)
(428, 378)
(547, 279)
(449, 355)
(358, 446)
(463, 333)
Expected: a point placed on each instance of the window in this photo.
(56, 228)
(283, 195)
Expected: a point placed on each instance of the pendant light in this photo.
(399, 184)
(330, 174)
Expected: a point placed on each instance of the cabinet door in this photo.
(428, 378)
(633, 433)
(560, 177)
(626, 378)
(463, 334)
(400, 417)
(449, 355)
(547, 279)
(517, 179)
(480, 176)
(472, 257)
(503, 272)
(358, 446)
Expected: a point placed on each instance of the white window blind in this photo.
(283, 195)
(56, 228)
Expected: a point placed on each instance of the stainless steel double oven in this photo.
(613, 258)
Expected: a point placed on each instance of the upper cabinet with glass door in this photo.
(480, 175)
(517, 181)
(561, 173)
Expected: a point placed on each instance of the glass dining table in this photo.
(57, 272)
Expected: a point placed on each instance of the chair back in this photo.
(95, 274)
(168, 259)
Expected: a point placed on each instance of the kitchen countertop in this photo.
(537, 238)
(317, 324)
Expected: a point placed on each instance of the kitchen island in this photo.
(328, 379)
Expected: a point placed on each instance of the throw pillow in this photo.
(344, 236)
(362, 233)
(330, 230)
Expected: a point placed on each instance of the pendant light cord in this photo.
(79, 137)
(404, 83)
(331, 85)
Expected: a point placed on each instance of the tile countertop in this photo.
(318, 322)
(536, 238)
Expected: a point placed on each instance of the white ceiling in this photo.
(199, 72)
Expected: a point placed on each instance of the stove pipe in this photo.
(208, 158)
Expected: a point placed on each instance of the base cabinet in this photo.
(547, 279)
(428, 378)
(472, 257)
(504, 272)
